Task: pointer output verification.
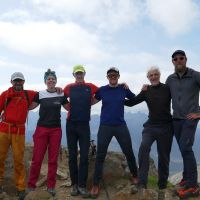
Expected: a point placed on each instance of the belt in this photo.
(12, 125)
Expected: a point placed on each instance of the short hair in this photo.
(153, 68)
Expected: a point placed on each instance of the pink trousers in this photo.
(44, 138)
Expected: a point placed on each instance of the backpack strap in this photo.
(28, 101)
(7, 101)
(27, 97)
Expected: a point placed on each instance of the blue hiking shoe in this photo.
(51, 191)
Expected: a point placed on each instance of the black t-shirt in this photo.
(158, 99)
(50, 107)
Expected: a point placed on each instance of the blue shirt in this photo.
(112, 110)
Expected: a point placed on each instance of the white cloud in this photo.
(109, 15)
(51, 39)
(141, 61)
(9, 66)
(15, 15)
(175, 16)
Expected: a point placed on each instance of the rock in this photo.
(41, 182)
(120, 187)
(68, 183)
(4, 196)
(145, 194)
(115, 176)
(36, 195)
(62, 175)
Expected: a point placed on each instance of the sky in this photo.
(131, 35)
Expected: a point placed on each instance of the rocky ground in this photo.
(115, 184)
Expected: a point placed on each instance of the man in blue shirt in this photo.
(112, 123)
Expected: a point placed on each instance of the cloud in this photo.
(140, 61)
(51, 39)
(15, 15)
(107, 15)
(10, 67)
(175, 16)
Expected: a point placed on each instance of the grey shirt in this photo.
(185, 93)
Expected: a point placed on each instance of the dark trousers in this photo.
(105, 135)
(78, 132)
(163, 135)
(184, 131)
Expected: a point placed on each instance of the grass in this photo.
(152, 182)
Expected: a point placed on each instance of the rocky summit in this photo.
(114, 186)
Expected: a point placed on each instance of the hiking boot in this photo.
(21, 194)
(51, 191)
(30, 190)
(181, 184)
(94, 192)
(83, 192)
(74, 190)
(162, 187)
(161, 194)
(134, 180)
(1, 189)
(188, 192)
(137, 187)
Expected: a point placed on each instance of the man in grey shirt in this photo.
(184, 86)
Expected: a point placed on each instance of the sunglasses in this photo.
(112, 75)
(178, 58)
(79, 73)
(18, 80)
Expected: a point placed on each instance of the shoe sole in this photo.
(74, 195)
(85, 197)
(94, 196)
(188, 195)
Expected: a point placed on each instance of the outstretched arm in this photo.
(33, 105)
(193, 116)
(94, 101)
(135, 100)
(59, 90)
(66, 106)
(125, 85)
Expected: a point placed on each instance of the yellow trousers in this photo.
(17, 143)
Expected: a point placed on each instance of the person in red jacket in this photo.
(14, 104)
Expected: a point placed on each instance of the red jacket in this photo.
(14, 112)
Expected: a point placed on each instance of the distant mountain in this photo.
(135, 124)
(176, 178)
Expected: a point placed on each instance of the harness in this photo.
(8, 99)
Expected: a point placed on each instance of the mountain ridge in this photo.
(135, 123)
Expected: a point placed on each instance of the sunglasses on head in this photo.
(178, 58)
